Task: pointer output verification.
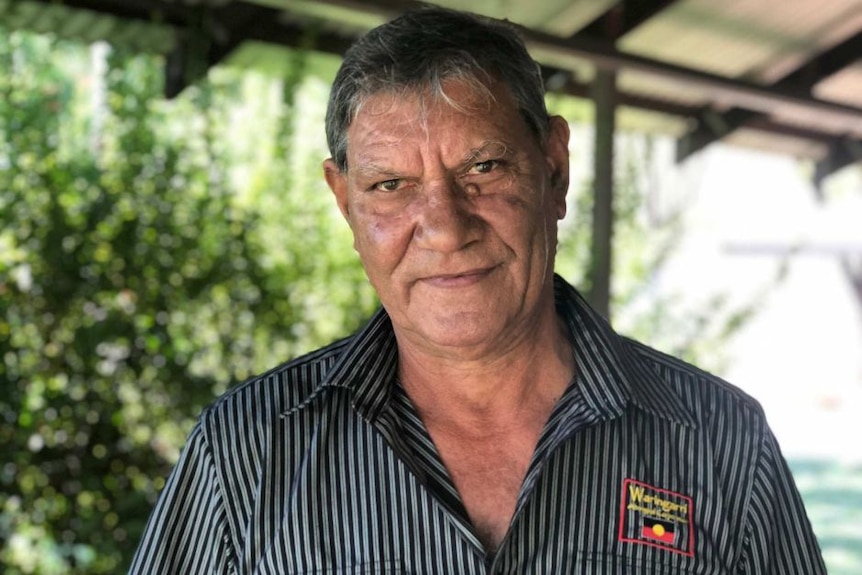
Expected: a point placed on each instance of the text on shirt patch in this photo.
(656, 517)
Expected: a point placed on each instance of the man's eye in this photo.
(387, 185)
(484, 167)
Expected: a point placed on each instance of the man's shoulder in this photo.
(704, 395)
(264, 397)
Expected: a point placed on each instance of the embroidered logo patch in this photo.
(656, 517)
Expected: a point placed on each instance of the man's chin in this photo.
(461, 334)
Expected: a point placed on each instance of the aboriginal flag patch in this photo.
(656, 517)
(658, 530)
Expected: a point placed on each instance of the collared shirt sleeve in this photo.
(188, 529)
(778, 535)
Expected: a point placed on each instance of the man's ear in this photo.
(557, 156)
(337, 182)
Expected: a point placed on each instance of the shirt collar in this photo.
(610, 372)
(368, 367)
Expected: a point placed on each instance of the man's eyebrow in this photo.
(487, 149)
(494, 148)
(371, 170)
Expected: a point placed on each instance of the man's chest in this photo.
(629, 496)
(487, 473)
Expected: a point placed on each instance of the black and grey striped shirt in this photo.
(646, 465)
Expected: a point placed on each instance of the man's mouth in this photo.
(458, 279)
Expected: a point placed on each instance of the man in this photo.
(485, 420)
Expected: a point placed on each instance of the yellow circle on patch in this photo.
(658, 530)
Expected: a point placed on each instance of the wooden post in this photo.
(604, 99)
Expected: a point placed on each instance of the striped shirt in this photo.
(646, 465)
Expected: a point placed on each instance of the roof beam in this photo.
(562, 82)
(622, 18)
(826, 64)
(801, 80)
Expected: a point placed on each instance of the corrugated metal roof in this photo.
(845, 86)
(759, 41)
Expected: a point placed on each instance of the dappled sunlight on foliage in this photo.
(136, 284)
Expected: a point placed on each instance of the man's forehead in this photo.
(471, 123)
(414, 107)
(458, 138)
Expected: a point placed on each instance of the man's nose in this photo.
(448, 220)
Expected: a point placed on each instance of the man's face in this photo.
(454, 213)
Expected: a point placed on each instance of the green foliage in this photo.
(138, 279)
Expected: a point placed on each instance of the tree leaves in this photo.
(136, 283)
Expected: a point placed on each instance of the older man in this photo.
(485, 420)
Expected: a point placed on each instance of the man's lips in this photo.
(458, 279)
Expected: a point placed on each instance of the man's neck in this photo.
(486, 392)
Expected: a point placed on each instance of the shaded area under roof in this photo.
(781, 76)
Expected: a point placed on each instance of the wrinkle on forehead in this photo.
(436, 89)
(478, 98)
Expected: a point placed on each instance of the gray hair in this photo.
(421, 49)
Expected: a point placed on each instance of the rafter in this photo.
(622, 18)
(562, 82)
(801, 80)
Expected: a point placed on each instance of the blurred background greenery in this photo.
(152, 253)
